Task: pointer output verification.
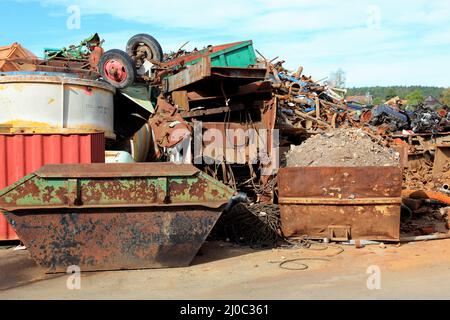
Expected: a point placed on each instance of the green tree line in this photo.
(415, 94)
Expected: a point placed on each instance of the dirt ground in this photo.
(223, 271)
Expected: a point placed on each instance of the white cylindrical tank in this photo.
(57, 101)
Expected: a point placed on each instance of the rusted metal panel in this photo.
(234, 142)
(207, 101)
(140, 95)
(403, 150)
(21, 154)
(115, 239)
(216, 110)
(441, 159)
(114, 216)
(203, 70)
(141, 143)
(102, 170)
(356, 202)
(191, 74)
(247, 74)
(180, 98)
(9, 55)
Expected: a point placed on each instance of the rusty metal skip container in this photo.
(114, 216)
(340, 203)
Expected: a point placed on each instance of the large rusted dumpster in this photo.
(340, 203)
(114, 216)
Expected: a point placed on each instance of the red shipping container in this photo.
(21, 154)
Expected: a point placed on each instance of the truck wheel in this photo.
(143, 46)
(117, 68)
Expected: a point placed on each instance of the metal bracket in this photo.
(163, 190)
(73, 192)
(339, 233)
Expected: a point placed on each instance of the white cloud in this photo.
(321, 35)
(310, 14)
(203, 14)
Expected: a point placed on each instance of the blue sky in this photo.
(375, 42)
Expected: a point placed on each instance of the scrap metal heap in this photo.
(225, 87)
(307, 104)
(300, 107)
(81, 59)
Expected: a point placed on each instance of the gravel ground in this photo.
(341, 148)
(222, 271)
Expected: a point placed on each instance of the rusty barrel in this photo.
(114, 216)
(340, 203)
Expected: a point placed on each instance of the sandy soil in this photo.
(223, 271)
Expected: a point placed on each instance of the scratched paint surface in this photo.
(115, 221)
(375, 217)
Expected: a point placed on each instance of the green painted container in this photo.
(241, 55)
(237, 54)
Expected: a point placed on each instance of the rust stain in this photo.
(376, 219)
(18, 86)
(104, 217)
(47, 196)
(114, 239)
(25, 123)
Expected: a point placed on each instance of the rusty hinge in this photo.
(339, 232)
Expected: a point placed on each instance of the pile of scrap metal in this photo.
(11, 55)
(427, 161)
(198, 107)
(226, 87)
(388, 119)
(313, 106)
(385, 119)
(223, 87)
(306, 104)
(426, 177)
(220, 90)
(82, 59)
(215, 111)
(426, 119)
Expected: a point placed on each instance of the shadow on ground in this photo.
(212, 251)
(17, 268)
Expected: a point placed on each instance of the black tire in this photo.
(152, 44)
(126, 62)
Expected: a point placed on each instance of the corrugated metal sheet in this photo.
(21, 154)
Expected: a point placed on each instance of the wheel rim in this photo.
(115, 71)
(141, 52)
